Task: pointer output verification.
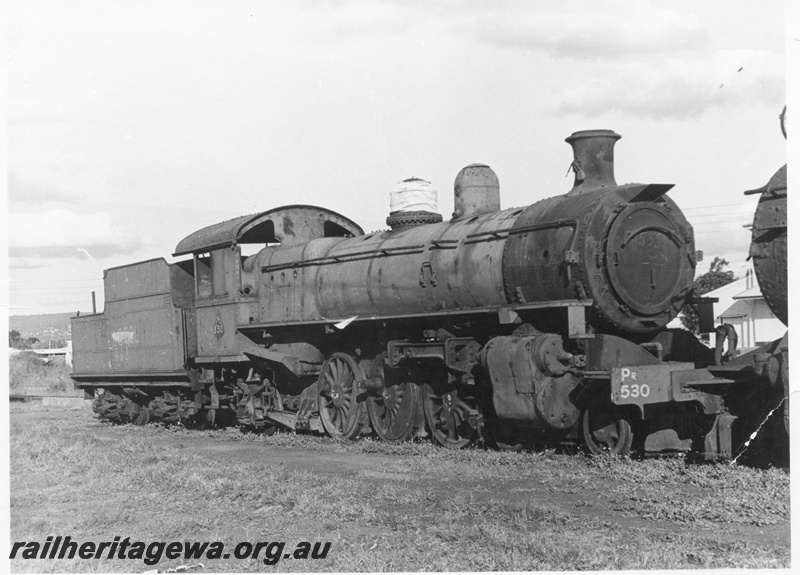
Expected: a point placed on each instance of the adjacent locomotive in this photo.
(540, 323)
(769, 254)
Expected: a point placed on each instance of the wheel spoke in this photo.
(395, 413)
(606, 430)
(342, 416)
(448, 415)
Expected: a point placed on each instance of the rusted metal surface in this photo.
(476, 191)
(396, 413)
(289, 224)
(456, 353)
(769, 244)
(400, 220)
(614, 244)
(593, 163)
(141, 330)
(641, 266)
(545, 321)
(452, 414)
(341, 380)
(530, 381)
(415, 270)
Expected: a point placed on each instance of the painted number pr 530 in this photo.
(644, 384)
(627, 386)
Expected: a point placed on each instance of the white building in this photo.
(742, 305)
(750, 315)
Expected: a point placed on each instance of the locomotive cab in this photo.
(226, 282)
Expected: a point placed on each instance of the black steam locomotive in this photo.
(537, 324)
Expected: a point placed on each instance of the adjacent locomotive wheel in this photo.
(606, 431)
(395, 413)
(450, 417)
(342, 415)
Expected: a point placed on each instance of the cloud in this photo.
(23, 118)
(63, 233)
(721, 231)
(591, 31)
(22, 263)
(644, 59)
(358, 17)
(584, 30)
(680, 89)
(22, 192)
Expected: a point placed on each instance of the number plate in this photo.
(644, 384)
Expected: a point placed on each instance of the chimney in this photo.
(476, 191)
(593, 165)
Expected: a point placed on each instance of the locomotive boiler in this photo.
(541, 323)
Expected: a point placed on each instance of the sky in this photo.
(131, 124)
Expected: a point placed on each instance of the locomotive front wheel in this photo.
(342, 415)
(606, 431)
(450, 418)
(395, 414)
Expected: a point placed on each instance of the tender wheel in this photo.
(395, 414)
(342, 415)
(144, 416)
(451, 418)
(606, 431)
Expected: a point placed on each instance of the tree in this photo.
(50, 344)
(716, 277)
(12, 336)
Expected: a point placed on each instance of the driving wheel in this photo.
(342, 415)
(396, 414)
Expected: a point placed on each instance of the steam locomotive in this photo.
(769, 254)
(545, 323)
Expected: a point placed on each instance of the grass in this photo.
(408, 507)
(27, 371)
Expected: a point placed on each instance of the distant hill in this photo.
(43, 326)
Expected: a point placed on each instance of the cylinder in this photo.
(531, 384)
(476, 191)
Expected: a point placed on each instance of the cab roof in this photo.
(288, 225)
